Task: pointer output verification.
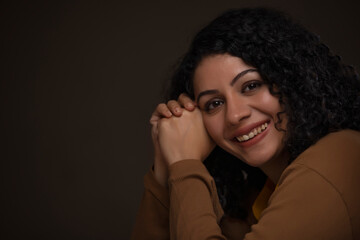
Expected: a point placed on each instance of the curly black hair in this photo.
(319, 93)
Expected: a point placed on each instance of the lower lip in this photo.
(255, 139)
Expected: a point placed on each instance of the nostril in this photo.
(234, 118)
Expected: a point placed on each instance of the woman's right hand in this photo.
(172, 108)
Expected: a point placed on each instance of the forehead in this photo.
(217, 69)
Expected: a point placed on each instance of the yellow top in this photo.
(262, 199)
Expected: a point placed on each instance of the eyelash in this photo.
(208, 106)
(252, 84)
(247, 88)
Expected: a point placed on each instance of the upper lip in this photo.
(248, 128)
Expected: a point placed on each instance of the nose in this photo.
(237, 109)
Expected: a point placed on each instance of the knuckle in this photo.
(184, 96)
(159, 106)
(162, 107)
(172, 103)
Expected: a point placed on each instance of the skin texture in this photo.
(184, 137)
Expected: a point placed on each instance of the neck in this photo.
(274, 168)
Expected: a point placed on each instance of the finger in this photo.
(186, 102)
(161, 111)
(174, 107)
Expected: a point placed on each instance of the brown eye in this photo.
(251, 86)
(213, 104)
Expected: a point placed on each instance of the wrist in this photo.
(160, 171)
(174, 160)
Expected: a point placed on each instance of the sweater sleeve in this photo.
(195, 211)
(152, 220)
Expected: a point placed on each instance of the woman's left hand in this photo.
(184, 137)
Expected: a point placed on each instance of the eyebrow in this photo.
(205, 93)
(237, 77)
(242, 74)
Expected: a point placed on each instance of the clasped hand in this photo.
(178, 133)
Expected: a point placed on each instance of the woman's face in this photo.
(239, 112)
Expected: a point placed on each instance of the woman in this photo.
(264, 90)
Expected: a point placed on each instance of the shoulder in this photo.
(345, 143)
(333, 156)
(317, 192)
(326, 171)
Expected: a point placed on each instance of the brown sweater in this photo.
(317, 198)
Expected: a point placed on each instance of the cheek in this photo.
(271, 103)
(213, 125)
(273, 108)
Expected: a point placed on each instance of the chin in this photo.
(255, 157)
(254, 161)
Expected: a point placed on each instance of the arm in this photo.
(184, 137)
(188, 178)
(152, 220)
(193, 198)
(189, 129)
(195, 211)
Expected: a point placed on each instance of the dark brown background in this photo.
(79, 81)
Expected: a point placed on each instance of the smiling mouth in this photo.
(256, 131)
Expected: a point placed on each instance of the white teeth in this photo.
(253, 133)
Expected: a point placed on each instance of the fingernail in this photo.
(190, 105)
